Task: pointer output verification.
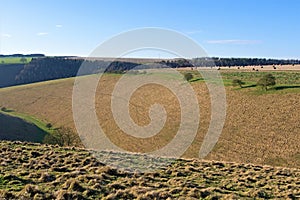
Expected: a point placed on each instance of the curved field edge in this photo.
(34, 171)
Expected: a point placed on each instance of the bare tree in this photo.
(64, 137)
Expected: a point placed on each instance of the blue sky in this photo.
(231, 28)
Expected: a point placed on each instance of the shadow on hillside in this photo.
(286, 87)
(7, 110)
(197, 79)
(13, 128)
(249, 86)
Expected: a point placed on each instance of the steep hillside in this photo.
(8, 73)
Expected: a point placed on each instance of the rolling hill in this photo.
(260, 127)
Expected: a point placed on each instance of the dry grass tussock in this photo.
(34, 171)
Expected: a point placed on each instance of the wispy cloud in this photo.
(6, 35)
(194, 32)
(58, 26)
(42, 33)
(234, 41)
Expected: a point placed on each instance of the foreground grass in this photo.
(33, 171)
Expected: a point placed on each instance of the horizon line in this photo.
(150, 57)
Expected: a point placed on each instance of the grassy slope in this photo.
(259, 128)
(36, 171)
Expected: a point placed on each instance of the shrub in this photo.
(23, 60)
(267, 80)
(188, 76)
(49, 125)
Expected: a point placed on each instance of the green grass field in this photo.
(282, 78)
(14, 60)
(286, 81)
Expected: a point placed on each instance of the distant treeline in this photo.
(219, 62)
(241, 61)
(23, 55)
(43, 68)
